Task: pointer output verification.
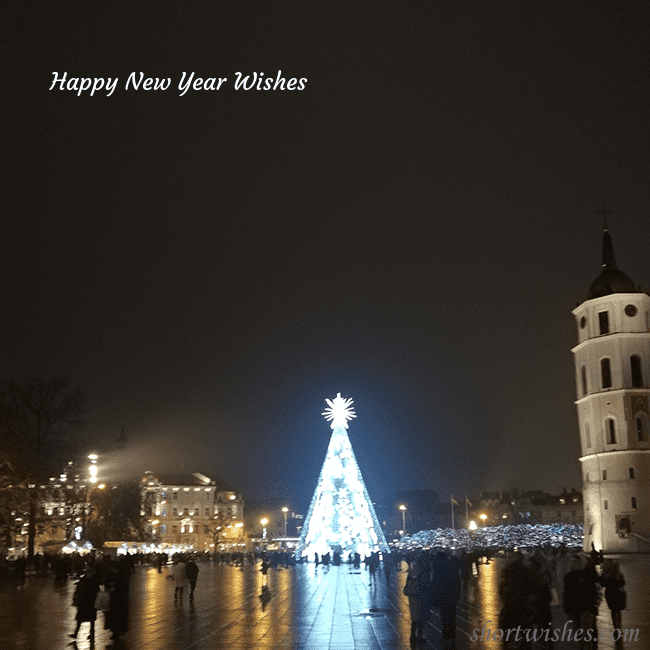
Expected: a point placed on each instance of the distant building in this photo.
(191, 512)
(612, 364)
(530, 507)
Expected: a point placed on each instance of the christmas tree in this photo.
(341, 517)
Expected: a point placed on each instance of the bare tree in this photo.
(217, 528)
(36, 416)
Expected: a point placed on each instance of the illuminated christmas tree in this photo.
(341, 517)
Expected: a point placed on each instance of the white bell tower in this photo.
(612, 362)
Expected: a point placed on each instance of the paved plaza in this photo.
(303, 607)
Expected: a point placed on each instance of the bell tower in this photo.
(612, 365)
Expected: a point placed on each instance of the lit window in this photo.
(606, 373)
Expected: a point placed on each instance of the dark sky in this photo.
(412, 229)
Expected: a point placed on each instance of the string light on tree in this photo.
(341, 517)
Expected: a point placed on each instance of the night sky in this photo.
(412, 229)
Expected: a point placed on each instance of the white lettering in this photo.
(239, 82)
(187, 85)
(111, 86)
(132, 80)
(56, 79)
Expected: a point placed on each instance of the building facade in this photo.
(191, 513)
(612, 366)
(531, 507)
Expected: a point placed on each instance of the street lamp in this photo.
(403, 509)
(264, 522)
(483, 517)
(285, 510)
(93, 467)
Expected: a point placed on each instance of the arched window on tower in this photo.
(640, 429)
(606, 372)
(583, 376)
(610, 431)
(637, 372)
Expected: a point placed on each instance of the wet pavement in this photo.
(304, 607)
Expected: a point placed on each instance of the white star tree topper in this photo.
(339, 410)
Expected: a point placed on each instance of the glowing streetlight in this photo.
(92, 470)
(264, 521)
(285, 510)
(483, 517)
(472, 525)
(403, 509)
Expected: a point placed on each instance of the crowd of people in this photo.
(508, 538)
(434, 579)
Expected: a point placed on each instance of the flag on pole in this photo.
(454, 500)
(468, 502)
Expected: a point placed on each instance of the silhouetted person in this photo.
(419, 590)
(118, 583)
(192, 573)
(84, 601)
(581, 598)
(445, 592)
(615, 595)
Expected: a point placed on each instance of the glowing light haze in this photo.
(341, 517)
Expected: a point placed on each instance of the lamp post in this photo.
(285, 510)
(403, 509)
(92, 471)
(483, 517)
(264, 522)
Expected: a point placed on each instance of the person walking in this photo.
(446, 583)
(118, 582)
(581, 598)
(84, 601)
(615, 595)
(418, 588)
(179, 571)
(192, 573)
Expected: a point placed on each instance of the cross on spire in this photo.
(604, 212)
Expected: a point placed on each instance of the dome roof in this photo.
(611, 280)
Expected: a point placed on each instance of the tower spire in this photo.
(609, 261)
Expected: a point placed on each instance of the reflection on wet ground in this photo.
(304, 607)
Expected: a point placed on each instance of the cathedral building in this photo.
(612, 365)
